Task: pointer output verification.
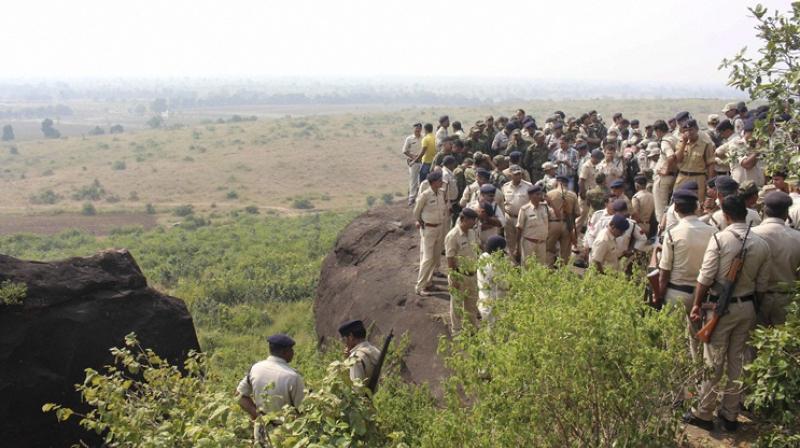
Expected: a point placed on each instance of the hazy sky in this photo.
(624, 40)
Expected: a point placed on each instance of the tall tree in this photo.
(773, 77)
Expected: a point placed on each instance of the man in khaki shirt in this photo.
(725, 351)
(357, 347)
(695, 156)
(532, 227)
(564, 206)
(664, 175)
(784, 247)
(515, 194)
(431, 215)
(461, 249)
(611, 166)
(681, 258)
(586, 181)
(643, 205)
(605, 252)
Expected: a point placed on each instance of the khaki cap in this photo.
(729, 107)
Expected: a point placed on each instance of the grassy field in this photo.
(325, 159)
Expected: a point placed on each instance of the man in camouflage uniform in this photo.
(535, 156)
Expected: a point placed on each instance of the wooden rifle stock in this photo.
(704, 335)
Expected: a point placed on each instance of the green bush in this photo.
(88, 209)
(91, 192)
(773, 380)
(12, 293)
(118, 165)
(568, 362)
(183, 210)
(251, 209)
(150, 209)
(232, 195)
(387, 198)
(302, 204)
(370, 201)
(46, 197)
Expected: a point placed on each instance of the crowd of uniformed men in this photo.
(668, 194)
(681, 197)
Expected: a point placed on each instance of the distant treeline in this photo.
(58, 110)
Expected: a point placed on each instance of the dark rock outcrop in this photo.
(371, 276)
(74, 311)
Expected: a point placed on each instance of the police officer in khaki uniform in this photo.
(515, 193)
(643, 205)
(431, 215)
(357, 347)
(724, 353)
(586, 181)
(681, 258)
(605, 252)
(461, 247)
(664, 176)
(270, 385)
(784, 246)
(564, 206)
(695, 156)
(533, 224)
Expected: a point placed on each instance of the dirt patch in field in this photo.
(51, 224)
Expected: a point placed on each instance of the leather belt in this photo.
(740, 299)
(427, 224)
(534, 240)
(681, 288)
(690, 173)
(512, 215)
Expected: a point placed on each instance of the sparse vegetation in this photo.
(371, 201)
(88, 209)
(387, 198)
(91, 192)
(48, 130)
(46, 197)
(232, 195)
(150, 209)
(118, 165)
(12, 293)
(183, 210)
(302, 204)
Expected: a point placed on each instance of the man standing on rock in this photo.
(357, 347)
(411, 149)
(271, 384)
(431, 215)
(461, 249)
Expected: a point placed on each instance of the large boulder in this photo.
(74, 311)
(370, 275)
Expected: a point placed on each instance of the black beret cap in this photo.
(690, 124)
(483, 172)
(689, 185)
(724, 125)
(443, 118)
(562, 178)
(619, 183)
(725, 185)
(778, 200)
(634, 122)
(488, 189)
(515, 155)
(684, 196)
(619, 205)
(711, 183)
(469, 213)
(749, 125)
(350, 326)
(641, 180)
(434, 176)
(495, 242)
(535, 189)
(447, 160)
(620, 222)
(680, 116)
(280, 340)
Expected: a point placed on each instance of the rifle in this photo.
(372, 384)
(652, 288)
(632, 256)
(728, 286)
(569, 220)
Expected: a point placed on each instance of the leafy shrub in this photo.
(387, 198)
(116, 129)
(183, 210)
(568, 362)
(133, 196)
(232, 195)
(91, 192)
(252, 209)
(142, 400)
(13, 151)
(302, 204)
(150, 209)
(48, 172)
(45, 197)
(88, 209)
(12, 293)
(774, 380)
(112, 199)
(97, 130)
(118, 165)
(370, 201)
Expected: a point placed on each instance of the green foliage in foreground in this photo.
(12, 293)
(774, 380)
(569, 362)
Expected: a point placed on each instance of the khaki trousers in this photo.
(683, 300)
(725, 353)
(557, 234)
(662, 191)
(430, 253)
(772, 310)
(701, 184)
(584, 218)
(530, 249)
(511, 234)
(463, 300)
